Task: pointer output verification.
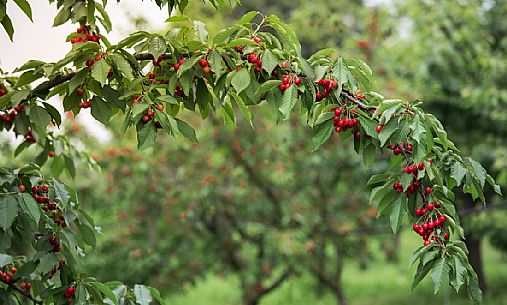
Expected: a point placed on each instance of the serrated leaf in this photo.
(143, 296)
(479, 171)
(157, 46)
(321, 133)
(108, 293)
(269, 61)
(458, 172)
(266, 86)
(240, 80)
(28, 206)
(440, 274)
(187, 131)
(397, 211)
(101, 110)
(123, 65)
(289, 99)
(146, 135)
(459, 273)
(387, 131)
(247, 17)
(200, 31)
(8, 211)
(78, 79)
(100, 70)
(187, 65)
(40, 116)
(88, 234)
(47, 262)
(61, 192)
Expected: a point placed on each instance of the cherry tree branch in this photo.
(25, 294)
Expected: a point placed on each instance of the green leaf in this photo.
(378, 178)
(156, 294)
(25, 7)
(266, 86)
(28, 205)
(8, 211)
(224, 35)
(244, 109)
(157, 46)
(100, 70)
(459, 273)
(61, 192)
(78, 79)
(7, 24)
(246, 18)
(40, 116)
(101, 110)
(321, 133)
(91, 12)
(240, 80)
(422, 271)
(5, 259)
(215, 61)
(458, 172)
(47, 262)
(143, 296)
(187, 131)
(27, 78)
(62, 16)
(398, 208)
(187, 65)
(440, 274)
(54, 113)
(369, 154)
(88, 234)
(179, 18)
(269, 61)
(123, 65)
(387, 131)
(108, 293)
(139, 108)
(146, 135)
(290, 97)
(200, 31)
(405, 180)
(479, 171)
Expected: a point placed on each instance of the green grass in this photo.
(381, 284)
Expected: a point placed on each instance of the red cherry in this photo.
(297, 81)
(360, 96)
(428, 190)
(427, 242)
(334, 84)
(442, 218)
(416, 227)
(417, 212)
(409, 147)
(203, 63)
(284, 64)
(159, 107)
(51, 154)
(446, 235)
(319, 97)
(79, 91)
(430, 206)
(425, 226)
(208, 69)
(90, 63)
(45, 188)
(257, 69)
(176, 67)
(421, 231)
(378, 128)
(150, 112)
(357, 135)
(35, 189)
(52, 240)
(420, 166)
(423, 212)
(21, 188)
(337, 111)
(3, 92)
(257, 40)
(437, 204)
(13, 270)
(285, 80)
(146, 118)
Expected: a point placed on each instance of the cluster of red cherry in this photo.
(432, 223)
(9, 116)
(86, 104)
(85, 34)
(41, 194)
(343, 124)
(288, 80)
(70, 294)
(326, 86)
(3, 89)
(7, 273)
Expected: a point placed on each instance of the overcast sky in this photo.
(39, 40)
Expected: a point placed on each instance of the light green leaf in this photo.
(200, 31)
(187, 131)
(28, 205)
(61, 192)
(440, 274)
(143, 296)
(100, 70)
(240, 80)
(123, 65)
(146, 135)
(5, 259)
(290, 97)
(157, 46)
(321, 133)
(398, 208)
(40, 116)
(269, 61)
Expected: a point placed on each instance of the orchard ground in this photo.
(383, 283)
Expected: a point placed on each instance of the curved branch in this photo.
(25, 294)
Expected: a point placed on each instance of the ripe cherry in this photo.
(176, 67)
(146, 118)
(21, 188)
(203, 63)
(442, 218)
(89, 63)
(150, 112)
(45, 188)
(319, 97)
(437, 204)
(159, 107)
(284, 64)
(427, 242)
(208, 69)
(357, 135)
(409, 147)
(446, 235)
(79, 91)
(428, 190)
(52, 240)
(430, 206)
(297, 81)
(420, 166)
(378, 128)
(285, 80)
(35, 189)
(51, 154)
(257, 40)
(152, 75)
(334, 84)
